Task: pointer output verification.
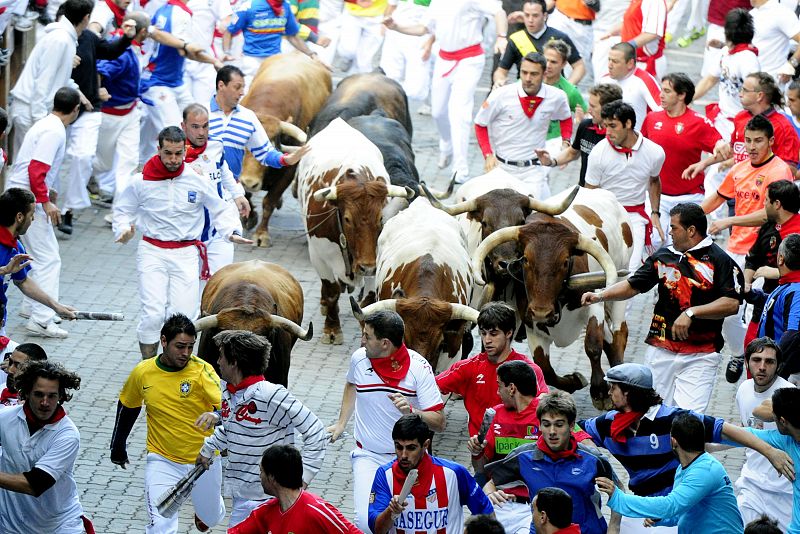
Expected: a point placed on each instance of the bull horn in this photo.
(398, 191)
(293, 328)
(287, 128)
(461, 312)
(590, 281)
(443, 194)
(326, 193)
(594, 249)
(495, 239)
(381, 305)
(205, 323)
(455, 209)
(550, 207)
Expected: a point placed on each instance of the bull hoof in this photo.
(573, 382)
(251, 221)
(602, 405)
(261, 239)
(332, 337)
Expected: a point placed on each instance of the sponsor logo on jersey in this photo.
(424, 520)
(679, 128)
(193, 196)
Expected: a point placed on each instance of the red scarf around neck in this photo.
(622, 422)
(181, 5)
(621, 149)
(244, 384)
(193, 152)
(597, 129)
(570, 452)
(7, 238)
(790, 277)
(119, 13)
(277, 6)
(154, 170)
(424, 477)
(35, 424)
(529, 104)
(4, 341)
(741, 48)
(393, 368)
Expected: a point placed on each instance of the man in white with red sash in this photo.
(166, 202)
(458, 26)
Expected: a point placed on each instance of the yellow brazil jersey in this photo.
(373, 8)
(174, 400)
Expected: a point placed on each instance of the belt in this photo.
(521, 163)
(585, 22)
(205, 273)
(522, 500)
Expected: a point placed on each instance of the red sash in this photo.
(205, 272)
(458, 55)
(648, 229)
(119, 111)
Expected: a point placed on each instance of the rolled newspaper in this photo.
(99, 316)
(488, 417)
(411, 479)
(171, 501)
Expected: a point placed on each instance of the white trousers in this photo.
(535, 176)
(241, 509)
(220, 253)
(683, 380)
(600, 52)
(161, 474)
(249, 66)
(638, 226)
(169, 283)
(117, 151)
(635, 525)
(82, 137)
(582, 35)
(21, 119)
(359, 41)
(167, 110)
(697, 10)
(365, 465)
(667, 203)
(41, 243)
(452, 104)
(330, 29)
(753, 502)
(734, 327)
(200, 80)
(515, 517)
(401, 60)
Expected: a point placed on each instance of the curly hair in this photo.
(50, 370)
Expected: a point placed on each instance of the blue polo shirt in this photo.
(9, 247)
(262, 28)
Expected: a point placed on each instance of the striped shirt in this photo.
(239, 131)
(781, 314)
(647, 456)
(254, 418)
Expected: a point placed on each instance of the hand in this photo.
(396, 506)
(76, 60)
(680, 328)
(217, 64)
(335, 430)
(591, 297)
(715, 43)
(202, 460)
(723, 149)
(243, 205)
(747, 287)
(544, 157)
(65, 312)
(656, 220)
(784, 78)
(239, 240)
(489, 163)
(53, 215)
(426, 48)
(782, 463)
(119, 458)
(475, 448)
(390, 23)
(104, 95)
(400, 402)
(207, 421)
(499, 497)
(580, 113)
(691, 172)
(770, 273)
(605, 485)
(650, 522)
(227, 58)
(500, 45)
(129, 28)
(719, 225)
(85, 102)
(516, 17)
(16, 264)
(291, 158)
(126, 235)
(323, 41)
(315, 57)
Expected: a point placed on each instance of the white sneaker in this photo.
(50, 330)
(444, 160)
(109, 219)
(25, 313)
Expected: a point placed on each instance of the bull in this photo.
(423, 273)
(286, 94)
(260, 297)
(554, 256)
(345, 195)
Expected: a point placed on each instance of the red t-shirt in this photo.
(786, 145)
(684, 139)
(308, 515)
(475, 379)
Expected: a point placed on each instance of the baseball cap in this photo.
(632, 374)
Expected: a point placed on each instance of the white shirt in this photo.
(458, 24)
(44, 142)
(103, 16)
(640, 90)
(375, 413)
(775, 25)
(408, 11)
(625, 176)
(654, 20)
(53, 449)
(757, 473)
(205, 16)
(172, 209)
(211, 163)
(731, 70)
(513, 135)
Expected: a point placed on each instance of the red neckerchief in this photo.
(139, 45)
(7, 396)
(154, 170)
(394, 368)
(246, 383)
(7, 238)
(119, 13)
(596, 128)
(4, 341)
(193, 152)
(424, 476)
(570, 452)
(741, 48)
(181, 5)
(621, 149)
(622, 421)
(35, 424)
(277, 6)
(529, 104)
(790, 277)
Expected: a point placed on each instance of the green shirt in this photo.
(575, 99)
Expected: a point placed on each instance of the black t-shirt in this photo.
(509, 6)
(696, 277)
(513, 56)
(587, 135)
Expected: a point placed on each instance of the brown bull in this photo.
(259, 297)
(287, 88)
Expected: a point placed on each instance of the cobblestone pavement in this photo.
(100, 275)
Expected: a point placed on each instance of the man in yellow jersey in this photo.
(178, 389)
(361, 34)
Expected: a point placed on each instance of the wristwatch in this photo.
(689, 313)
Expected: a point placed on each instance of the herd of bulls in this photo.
(372, 227)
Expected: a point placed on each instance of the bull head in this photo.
(330, 193)
(213, 321)
(548, 207)
(458, 312)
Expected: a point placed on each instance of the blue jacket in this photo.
(121, 78)
(262, 28)
(781, 313)
(701, 500)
